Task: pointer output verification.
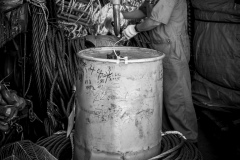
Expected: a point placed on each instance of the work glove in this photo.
(130, 31)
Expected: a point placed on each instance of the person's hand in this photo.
(130, 31)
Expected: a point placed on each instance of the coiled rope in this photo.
(174, 146)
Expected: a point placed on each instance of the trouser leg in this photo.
(178, 110)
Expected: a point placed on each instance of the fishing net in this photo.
(25, 150)
(58, 144)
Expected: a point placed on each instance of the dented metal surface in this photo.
(119, 106)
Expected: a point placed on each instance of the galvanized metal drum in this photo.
(119, 104)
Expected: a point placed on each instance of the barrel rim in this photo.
(161, 55)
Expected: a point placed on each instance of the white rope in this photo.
(167, 133)
(89, 13)
(60, 132)
(62, 6)
(72, 6)
(69, 23)
(173, 132)
(99, 7)
(118, 57)
(69, 6)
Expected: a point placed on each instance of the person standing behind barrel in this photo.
(166, 21)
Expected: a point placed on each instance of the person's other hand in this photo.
(130, 31)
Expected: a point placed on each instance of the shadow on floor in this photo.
(217, 140)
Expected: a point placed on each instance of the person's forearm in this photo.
(136, 14)
(147, 24)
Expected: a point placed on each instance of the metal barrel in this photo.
(118, 104)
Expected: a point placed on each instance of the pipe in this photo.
(116, 16)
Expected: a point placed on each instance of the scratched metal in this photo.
(119, 108)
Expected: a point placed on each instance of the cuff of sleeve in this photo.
(135, 27)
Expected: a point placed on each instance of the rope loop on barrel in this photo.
(119, 58)
(174, 146)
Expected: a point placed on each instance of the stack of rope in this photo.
(62, 71)
(55, 67)
(76, 17)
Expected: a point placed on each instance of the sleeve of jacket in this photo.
(162, 11)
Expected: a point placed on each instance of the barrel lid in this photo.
(133, 54)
